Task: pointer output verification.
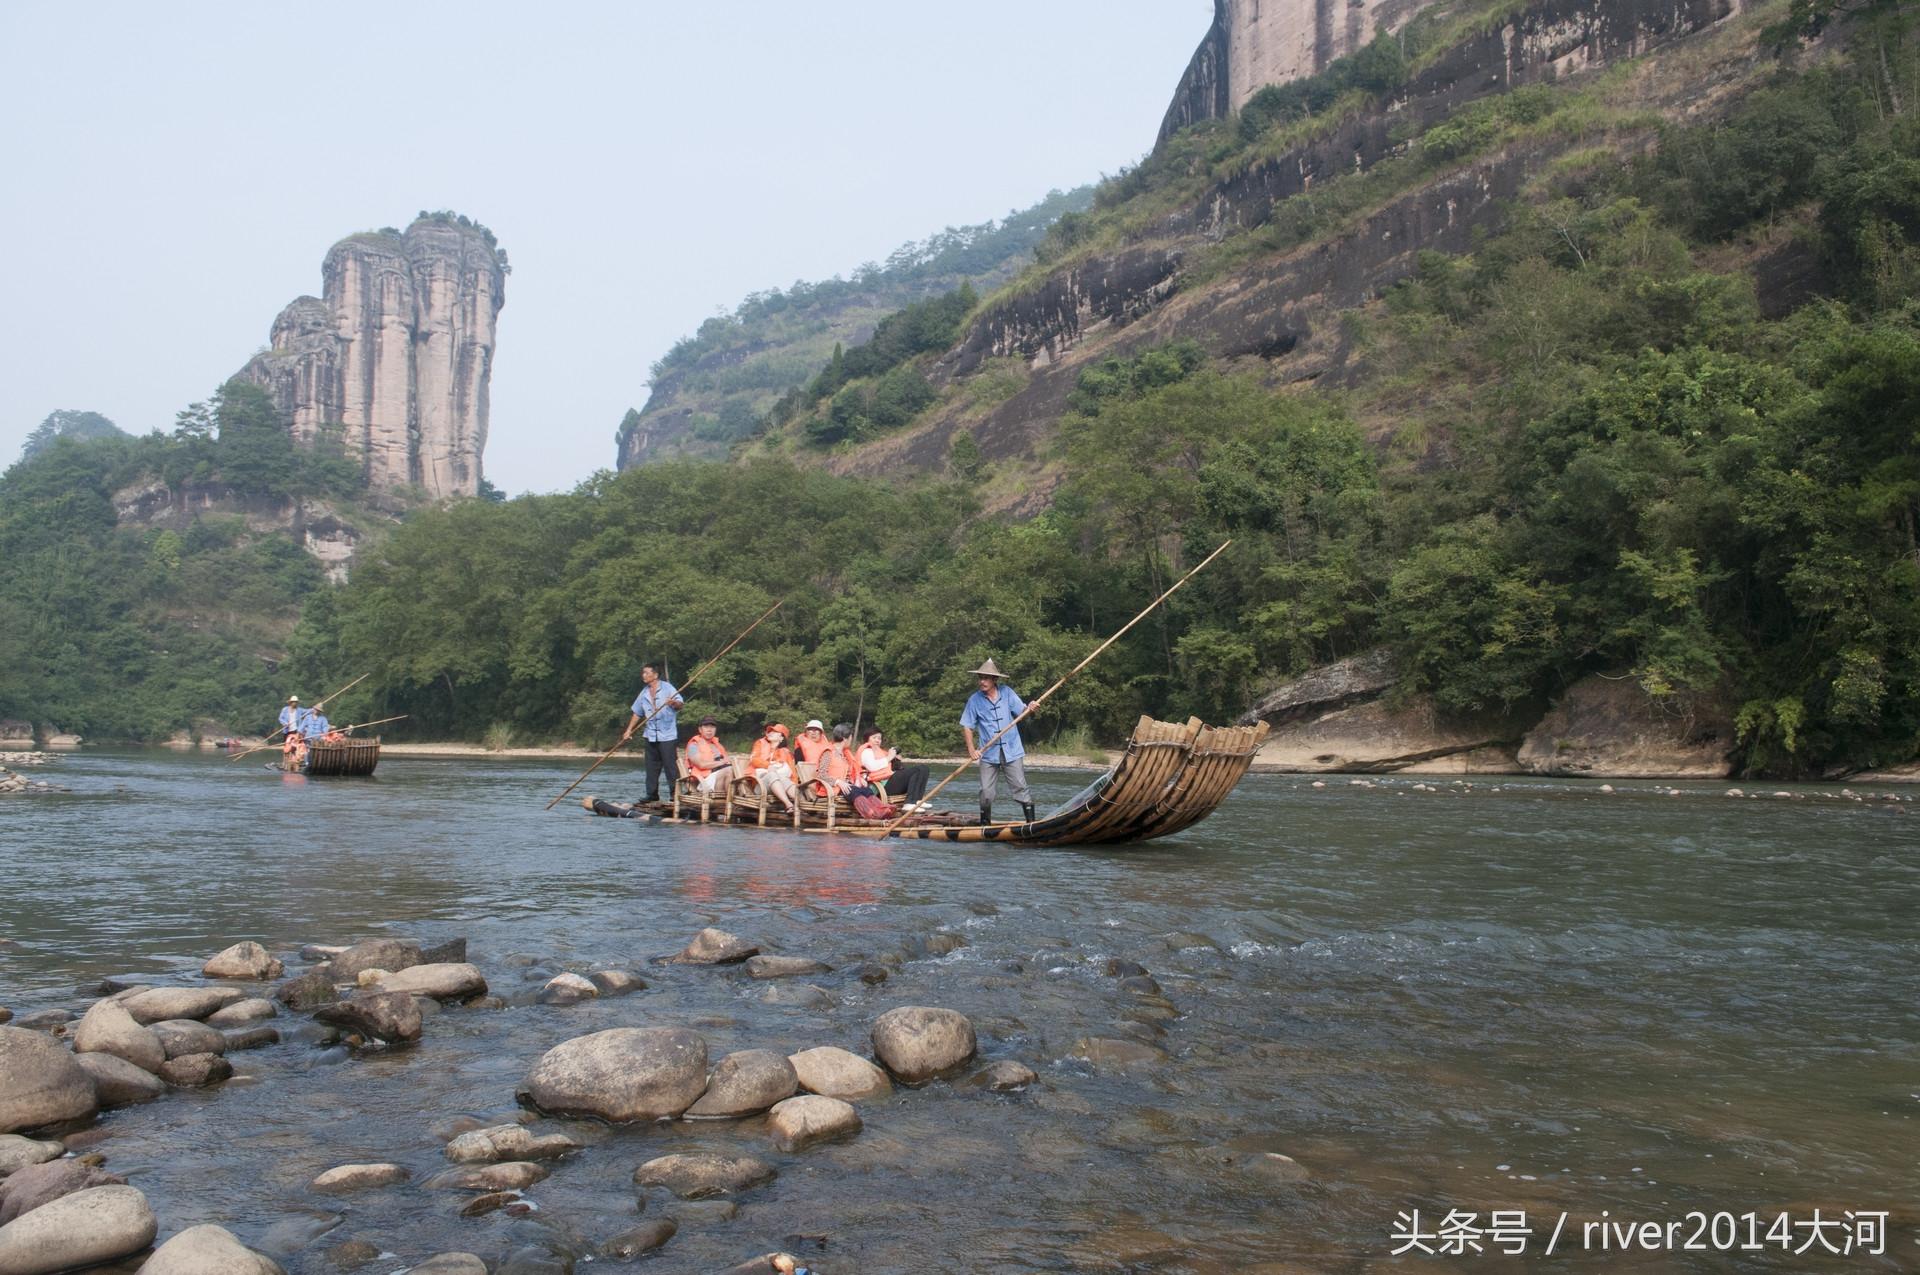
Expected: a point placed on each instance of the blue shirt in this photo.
(987, 718)
(665, 726)
(291, 717)
(315, 724)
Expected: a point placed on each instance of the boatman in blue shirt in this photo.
(292, 716)
(990, 710)
(314, 723)
(659, 700)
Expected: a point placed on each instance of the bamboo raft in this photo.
(348, 757)
(1170, 777)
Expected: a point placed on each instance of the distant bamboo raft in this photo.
(348, 757)
(1170, 777)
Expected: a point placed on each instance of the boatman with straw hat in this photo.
(989, 711)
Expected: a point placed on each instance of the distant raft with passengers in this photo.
(1169, 777)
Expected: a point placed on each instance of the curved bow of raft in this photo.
(1170, 777)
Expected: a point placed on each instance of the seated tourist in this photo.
(881, 767)
(772, 765)
(707, 761)
(813, 742)
(835, 771)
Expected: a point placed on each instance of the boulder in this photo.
(83, 1229)
(1003, 1075)
(451, 952)
(512, 1175)
(243, 960)
(309, 990)
(696, 1177)
(196, 1071)
(617, 982)
(157, 1004)
(919, 1042)
(714, 947)
(626, 1073)
(375, 954)
(1386, 736)
(1326, 687)
(117, 1082)
(252, 1038)
(242, 1013)
(358, 1177)
(17, 1152)
(107, 1028)
(45, 1020)
(316, 952)
(644, 1238)
(43, 1183)
(388, 1016)
(745, 1083)
(40, 1082)
(836, 1073)
(442, 982)
(182, 1036)
(784, 966)
(568, 989)
(1612, 728)
(208, 1250)
(799, 1123)
(507, 1142)
(449, 1264)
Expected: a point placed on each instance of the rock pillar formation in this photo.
(1254, 43)
(396, 354)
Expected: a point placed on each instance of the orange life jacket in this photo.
(766, 755)
(836, 764)
(880, 773)
(810, 748)
(712, 750)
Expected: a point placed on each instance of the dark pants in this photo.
(908, 781)
(660, 756)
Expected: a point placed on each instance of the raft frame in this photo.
(1169, 777)
(348, 757)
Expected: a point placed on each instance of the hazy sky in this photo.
(171, 175)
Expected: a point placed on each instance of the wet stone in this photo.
(242, 1013)
(837, 1073)
(452, 952)
(944, 942)
(799, 1123)
(481, 1205)
(351, 1255)
(391, 955)
(568, 989)
(799, 996)
(1117, 968)
(246, 960)
(449, 1264)
(871, 974)
(359, 1177)
(696, 1177)
(1104, 1052)
(919, 1042)
(644, 1238)
(17, 1152)
(1003, 1075)
(182, 1036)
(784, 966)
(513, 1175)
(117, 1082)
(29, 1188)
(158, 1004)
(1141, 983)
(746, 1082)
(705, 1212)
(252, 1038)
(196, 1071)
(714, 947)
(43, 1020)
(388, 1016)
(535, 1260)
(507, 1142)
(616, 982)
(306, 992)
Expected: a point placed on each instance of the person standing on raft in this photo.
(660, 700)
(990, 710)
(292, 715)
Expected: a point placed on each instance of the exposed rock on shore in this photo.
(208, 1250)
(82, 1229)
(1609, 727)
(40, 1082)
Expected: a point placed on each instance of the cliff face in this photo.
(397, 352)
(1254, 43)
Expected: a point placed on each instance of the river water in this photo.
(1530, 997)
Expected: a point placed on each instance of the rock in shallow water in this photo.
(242, 1013)
(107, 1028)
(374, 954)
(252, 1038)
(390, 1016)
(208, 1250)
(196, 1071)
(714, 947)
(836, 1073)
(17, 1152)
(158, 1004)
(1003, 1075)
(1104, 1052)
(627, 1073)
(31, 1187)
(696, 1177)
(745, 1083)
(82, 1229)
(513, 1175)
(117, 1082)
(449, 1264)
(641, 1239)
(442, 982)
(358, 1177)
(243, 960)
(310, 989)
(919, 1042)
(507, 1142)
(617, 982)
(182, 1036)
(568, 989)
(799, 1123)
(784, 966)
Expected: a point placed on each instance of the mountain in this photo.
(711, 389)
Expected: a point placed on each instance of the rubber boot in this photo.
(1026, 809)
(986, 815)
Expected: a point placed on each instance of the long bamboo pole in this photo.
(642, 727)
(363, 725)
(316, 704)
(1028, 711)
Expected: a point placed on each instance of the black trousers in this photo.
(907, 781)
(660, 756)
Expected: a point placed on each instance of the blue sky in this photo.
(173, 174)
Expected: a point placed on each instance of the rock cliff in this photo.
(1254, 43)
(396, 353)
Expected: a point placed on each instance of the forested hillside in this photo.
(713, 389)
(1585, 445)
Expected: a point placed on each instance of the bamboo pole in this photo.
(363, 725)
(642, 727)
(1028, 711)
(316, 704)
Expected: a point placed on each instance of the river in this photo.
(1526, 996)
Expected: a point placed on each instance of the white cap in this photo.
(293, 699)
(815, 725)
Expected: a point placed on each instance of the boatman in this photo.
(990, 710)
(657, 700)
(314, 724)
(291, 715)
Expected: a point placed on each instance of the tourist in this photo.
(992, 709)
(293, 752)
(772, 765)
(656, 706)
(836, 773)
(810, 747)
(880, 766)
(707, 759)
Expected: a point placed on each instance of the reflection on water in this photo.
(1542, 998)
